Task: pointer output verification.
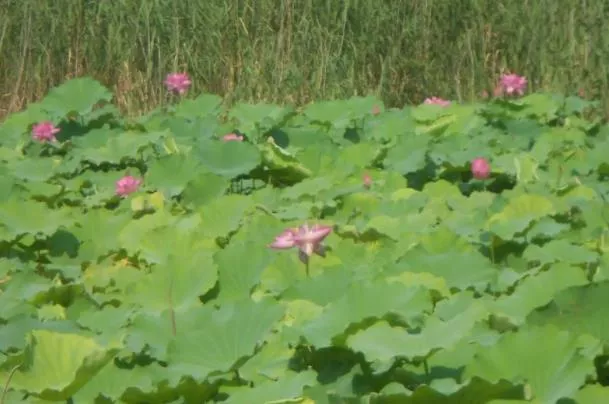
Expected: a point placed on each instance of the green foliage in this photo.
(303, 51)
(435, 287)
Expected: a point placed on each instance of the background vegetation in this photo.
(299, 50)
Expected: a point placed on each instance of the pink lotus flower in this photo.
(177, 82)
(307, 238)
(127, 185)
(44, 132)
(481, 169)
(376, 110)
(232, 137)
(367, 180)
(437, 101)
(513, 84)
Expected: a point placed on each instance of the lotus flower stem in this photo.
(8, 381)
(172, 313)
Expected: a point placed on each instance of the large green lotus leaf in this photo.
(200, 107)
(99, 188)
(597, 158)
(453, 152)
(240, 266)
(408, 155)
(98, 232)
(34, 169)
(57, 364)
(44, 191)
(553, 140)
(592, 394)
(323, 289)
(108, 320)
(224, 215)
(476, 391)
(255, 119)
(302, 137)
(283, 163)
(77, 95)
(315, 159)
(136, 230)
(106, 281)
(362, 302)
(448, 363)
(467, 120)
(538, 290)
(441, 189)
(170, 174)
(438, 126)
(252, 240)
(270, 362)
(225, 338)
(559, 251)
(22, 288)
(429, 113)
(460, 269)
(362, 260)
(204, 188)
(188, 132)
(285, 270)
(106, 145)
(13, 333)
(177, 283)
(552, 369)
(523, 166)
(400, 227)
(308, 188)
(548, 228)
(382, 344)
(541, 105)
(389, 126)
(132, 143)
(112, 382)
(28, 217)
(579, 309)
(518, 215)
(151, 331)
(93, 141)
(185, 270)
(229, 159)
(333, 112)
(8, 188)
(358, 155)
(286, 389)
(341, 113)
(467, 224)
(425, 279)
(14, 125)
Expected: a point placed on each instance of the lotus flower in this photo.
(376, 110)
(44, 132)
(232, 137)
(367, 180)
(481, 169)
(177, 82)
(437, 101)
(307, 238)
(127, 185)
(513, 84)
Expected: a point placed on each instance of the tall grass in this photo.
(299, 50)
